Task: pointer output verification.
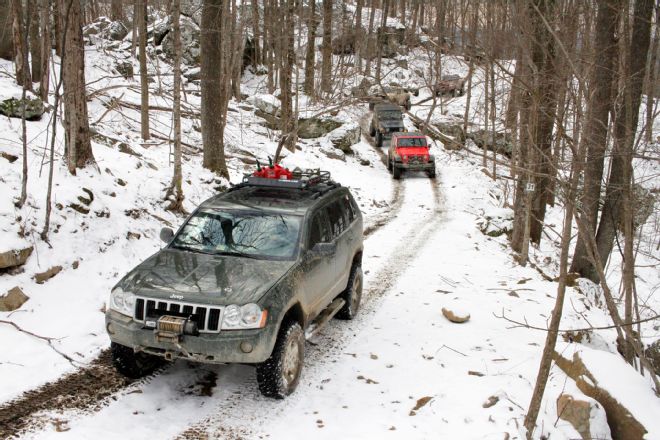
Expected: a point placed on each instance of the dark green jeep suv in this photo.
(250, 274)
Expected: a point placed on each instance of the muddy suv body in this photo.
(242, 280)
(450, 84)
(386, 119)
(395, 95)
(409, 151)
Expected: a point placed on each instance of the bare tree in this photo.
(326, 48)
(144, 82)
(596, 127)
(6, 39)
(175, 192)
(46, 49)
(310, 52)
(116, 10)
(78, 146)
(214, 98)
(19, 31)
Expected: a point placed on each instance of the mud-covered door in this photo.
(319, 268)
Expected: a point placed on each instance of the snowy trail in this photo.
(176, 399)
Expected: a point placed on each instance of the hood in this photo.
(412, 151)
(205, 279)
(391, 123)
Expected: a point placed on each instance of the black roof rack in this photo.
(314, 180)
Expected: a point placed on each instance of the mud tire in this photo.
(131, 364)
(396, 172)
(352, 295)
(279, 375)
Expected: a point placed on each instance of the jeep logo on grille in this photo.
(179, 297)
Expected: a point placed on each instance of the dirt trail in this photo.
(84, 389)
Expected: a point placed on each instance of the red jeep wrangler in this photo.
(409, 151)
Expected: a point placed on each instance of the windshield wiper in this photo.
(191, 249)
(236, 254)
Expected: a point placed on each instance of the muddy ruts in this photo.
(83, 389)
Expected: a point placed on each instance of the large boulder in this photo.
(12, 107)
(652, 353)
(190, 42)
(484, 140)
(267, 103)
(598, 375)
(116, 31)
(346, 136)
(311, 128)
(12, 299)
(15, 257)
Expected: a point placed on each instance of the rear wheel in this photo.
(379, 139)
(396, 172)
(132, 364)
(372, 130)
(279, 375)
(352, 295)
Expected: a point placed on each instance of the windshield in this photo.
(248, 234)
(411, 142)
(390, 114)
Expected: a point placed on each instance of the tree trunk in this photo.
(310, 52)
(212, 84)
(359, 35)
(651, 81)
(19, 32)
(596, 127)
(255, 32)
(6, 38)
(58, 22)
(326, 50)
(289, 59)
(176, 190)
(46, 49)
(625, 128)
(116, 10)
(144, 83)
(545, 60)
(35, 41)
(78, 147)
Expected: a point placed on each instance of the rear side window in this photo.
(338, 221)
(348, 208)
(320, 232)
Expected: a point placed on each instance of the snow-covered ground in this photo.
(400, 370)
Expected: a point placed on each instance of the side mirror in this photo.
(166, 234)
(321, 250)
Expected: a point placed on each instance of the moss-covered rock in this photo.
(12, 107)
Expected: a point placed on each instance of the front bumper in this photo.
(418, 166)
(228, 346)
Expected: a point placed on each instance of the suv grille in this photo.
(207, 318)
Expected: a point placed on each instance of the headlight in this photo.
(122, 302)
(243, 317)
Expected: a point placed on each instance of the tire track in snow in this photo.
(87, 389)
(409, 234)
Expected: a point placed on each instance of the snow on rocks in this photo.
(583, 414)
(457, 316)
(12, 299)
(15, 257)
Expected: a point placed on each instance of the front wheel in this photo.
(396, 172)
(352, 295)
(279, 375)
(431, 173)
(132, 364)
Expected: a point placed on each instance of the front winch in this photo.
(172, 328)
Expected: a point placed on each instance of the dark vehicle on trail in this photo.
(249, 276)
(409, 151)
(394, 95)
(386, 119)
